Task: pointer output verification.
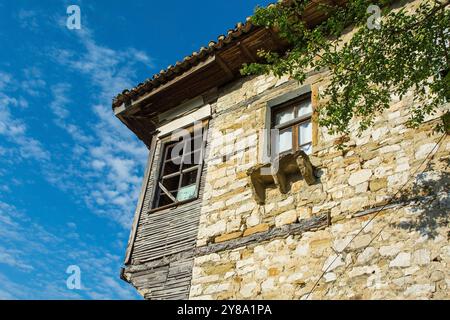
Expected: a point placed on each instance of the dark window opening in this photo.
(180, 170)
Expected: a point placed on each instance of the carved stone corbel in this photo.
(306, 168)
(259, 182)
(289, 165)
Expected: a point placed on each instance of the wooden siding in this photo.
(163, 250)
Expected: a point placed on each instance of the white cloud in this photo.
(11, 260)
(59, 107)
(16, 227)
(15, 129)
(72, 225)
(5, 79)
(102, 167)
(33, 87)
(60, 100)
(109, 284)
(98, 164)
(109, 70)
(113, 158)
(4, 295)
(33, 83)
(28, 19)
(9, 289)
(44, 256)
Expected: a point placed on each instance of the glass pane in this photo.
(284, 116)
(304, 132)
(187, 192)
(304, 108)
(307, 148)
(285, 140)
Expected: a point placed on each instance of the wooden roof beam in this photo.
(135, 104)
(250, 56)
(223, 65)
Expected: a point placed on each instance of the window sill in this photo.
(290, 166)
(172, 205)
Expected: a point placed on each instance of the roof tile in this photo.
(188, 62)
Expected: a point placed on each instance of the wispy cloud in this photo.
(10, 259)
(112, 158)
(60, 100)
(59, 106)
(22, 239)
(10, 290)
(110, 70)
(5, 79)
(15, 129)
(99, 166)
(28, 19)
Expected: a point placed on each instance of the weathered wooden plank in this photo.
(138, 211)
(162, 258)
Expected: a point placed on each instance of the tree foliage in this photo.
(408, 51)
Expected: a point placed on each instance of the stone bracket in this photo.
(259, 182)
(289, 165)
(306, 168)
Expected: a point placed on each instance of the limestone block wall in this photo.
(403, 262)
(246, 250)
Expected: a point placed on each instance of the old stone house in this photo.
(366, 222)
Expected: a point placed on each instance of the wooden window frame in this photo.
(165, 143)
(294, 123)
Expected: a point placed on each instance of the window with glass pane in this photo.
(293, 121)
(179, 176)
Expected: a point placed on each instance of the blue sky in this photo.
(69, 171)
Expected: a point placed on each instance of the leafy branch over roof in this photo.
(407, 51)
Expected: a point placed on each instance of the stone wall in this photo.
(409, 253)
(404, 261)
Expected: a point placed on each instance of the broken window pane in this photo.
(180, 164)
(171, 184)
(186, 193)
(189, 178)
(170, 167)
(192, 159)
